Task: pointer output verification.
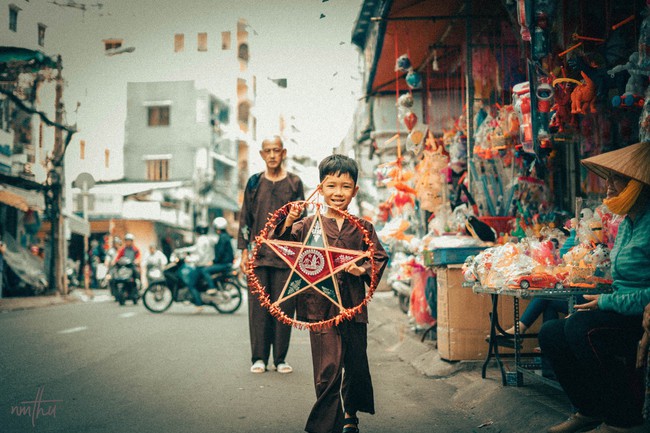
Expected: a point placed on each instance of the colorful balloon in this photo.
(410, 119)
(413, 80)
(403, 63)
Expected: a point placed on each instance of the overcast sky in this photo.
(287, 39)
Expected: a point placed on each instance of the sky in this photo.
(305, 41)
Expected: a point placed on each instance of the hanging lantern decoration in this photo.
(82, 149)
(413, 79)
(405, 101)
(107, 154)
(414, 139)
(403, 63)
(410, 119)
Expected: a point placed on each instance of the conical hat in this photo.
(632, 161)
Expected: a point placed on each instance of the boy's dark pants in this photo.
(265, 330)
(332, 349)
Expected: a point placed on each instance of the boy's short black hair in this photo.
(337, 165)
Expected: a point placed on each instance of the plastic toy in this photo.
(536, 281)
(583, 98)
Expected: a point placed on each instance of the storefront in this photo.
(475, 118)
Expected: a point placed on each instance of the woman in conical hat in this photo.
(593, 351)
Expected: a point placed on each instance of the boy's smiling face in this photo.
(338, 190)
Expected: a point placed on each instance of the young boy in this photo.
(343, 346)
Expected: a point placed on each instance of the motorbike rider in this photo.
(155, 259)
(223, 252)
(112, 251)
(202, 254)
(132, 252)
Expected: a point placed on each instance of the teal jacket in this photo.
(630, 268)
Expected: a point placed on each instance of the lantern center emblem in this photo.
(311, 262)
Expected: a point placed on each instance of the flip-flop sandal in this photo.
(258, 367)
(284, 368)
(353, 429)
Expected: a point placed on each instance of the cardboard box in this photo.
(464, 318)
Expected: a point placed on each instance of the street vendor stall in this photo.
(483, 138)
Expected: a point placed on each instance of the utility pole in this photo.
(58, 250)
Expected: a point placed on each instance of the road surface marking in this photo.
(127, 315)
(71, 330)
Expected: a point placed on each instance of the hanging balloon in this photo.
(410, 119)
(413, 79)
(406, 100)
(403, 63)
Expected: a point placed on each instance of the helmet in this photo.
(220, 223)
(129, 237)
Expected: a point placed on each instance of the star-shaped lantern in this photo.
(314, 264)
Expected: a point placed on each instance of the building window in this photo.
(203, 42)
(41, 34)
(158, 169)
(158, 115)
(179, 42)
(111, 44)
(244, 112)
(13, 17)
(243, 52)
(225, 40)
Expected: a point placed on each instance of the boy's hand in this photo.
(355, 270)
(294, 213)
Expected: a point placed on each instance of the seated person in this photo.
(593, 350)
(549, 308)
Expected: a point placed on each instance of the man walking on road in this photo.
(265, 193)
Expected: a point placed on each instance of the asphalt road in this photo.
(97, 367)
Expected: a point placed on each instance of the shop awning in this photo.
(20, 199)
(14, 200)
(218, 200)
(130, 188)
(76, 224)
(415, 28)
(12, 57)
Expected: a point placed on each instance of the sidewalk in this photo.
(530, 408)
(31, 302)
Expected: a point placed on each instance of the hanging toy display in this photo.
(410, 120)
(523, 10)
(541, 48)
(403, 63)
(638, 66)
(521, 102)
(413, 79)
(583, 97)
(562, 107)
(405, 101)
(431, 180)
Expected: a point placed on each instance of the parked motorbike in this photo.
(124, 281)
(162, 293)
(401, 289)
(72, 272)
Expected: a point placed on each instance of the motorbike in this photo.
(72, 272)
(401, 289)
(154, 275)
(226, 298)
(124, 281)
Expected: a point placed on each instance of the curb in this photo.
(33, 302)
